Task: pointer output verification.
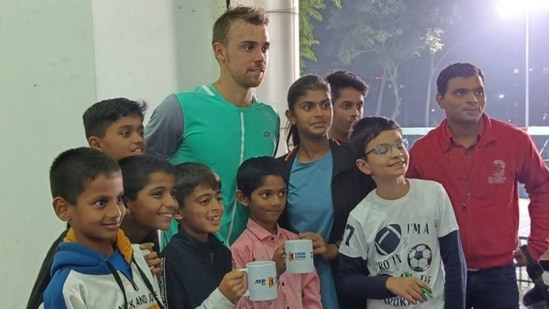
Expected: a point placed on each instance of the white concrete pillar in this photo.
(193, 30)
(283, 67)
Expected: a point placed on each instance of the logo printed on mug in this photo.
(260, 281)
(298, 256)
(263, 282)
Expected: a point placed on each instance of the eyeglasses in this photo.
(386, 150)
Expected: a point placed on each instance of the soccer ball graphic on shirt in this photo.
(420, 257)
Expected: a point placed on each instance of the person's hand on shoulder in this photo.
(232, 285)
(152, 259)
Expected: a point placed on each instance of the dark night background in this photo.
(493, 42)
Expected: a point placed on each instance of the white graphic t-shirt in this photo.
(398, 237)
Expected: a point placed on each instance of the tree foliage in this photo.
(310, 10)
(386, 33)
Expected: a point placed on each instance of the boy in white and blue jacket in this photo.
(95, 266)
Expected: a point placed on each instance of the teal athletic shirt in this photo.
(219, 134)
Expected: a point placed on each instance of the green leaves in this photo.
(310, 10)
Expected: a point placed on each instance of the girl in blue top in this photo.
(318, 209)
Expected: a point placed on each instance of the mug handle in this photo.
(245, 271)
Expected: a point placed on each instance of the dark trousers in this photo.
(492, 288)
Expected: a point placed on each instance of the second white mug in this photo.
(299, 256)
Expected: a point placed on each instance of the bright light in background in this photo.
(501, 96)
(508, 8)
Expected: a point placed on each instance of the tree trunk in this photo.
(380, 93)
(430, 80)
(427, 111)
(393, 77)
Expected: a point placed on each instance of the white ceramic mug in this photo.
(299, 256)
(262, 280)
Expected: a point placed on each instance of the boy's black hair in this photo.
(98, 117)
(252, 172)
(190, 175)
(136, 171)
(74, 169)
(344, 79)
(456, 70)
(367, 129)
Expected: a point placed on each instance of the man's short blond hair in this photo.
(250, 14)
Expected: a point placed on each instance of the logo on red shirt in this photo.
(498, 172)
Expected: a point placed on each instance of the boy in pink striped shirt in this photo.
(262, 189)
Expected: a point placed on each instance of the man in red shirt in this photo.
(480, 160)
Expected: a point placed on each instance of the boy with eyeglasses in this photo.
(399, 236)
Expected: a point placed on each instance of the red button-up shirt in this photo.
(482, 184)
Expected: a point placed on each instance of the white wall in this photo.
(134, 49)
(57, 57)
(148, 49)
(46, 81)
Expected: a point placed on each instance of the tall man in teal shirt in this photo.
(222, 124)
